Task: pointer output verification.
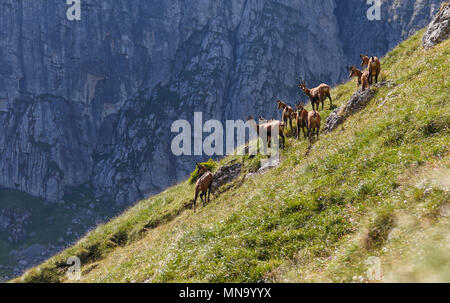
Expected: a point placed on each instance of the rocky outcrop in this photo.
(90, 103)
(439, 28)
(356, 103)
(225, 175)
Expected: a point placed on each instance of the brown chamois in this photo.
(363, 77)
(317, 95)
(203, 184)
(313, 124)
(374, 67)
(302, 120)
(267, 129)
(287, 113)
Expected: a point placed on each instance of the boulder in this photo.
(226, 174)
(439, 28)
(356, 103)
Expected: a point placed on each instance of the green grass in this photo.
(316, 217)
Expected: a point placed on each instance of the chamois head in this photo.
(365, 60)
(352, 70)
(201, 169)
(300, 106)
(302, 85)
(281, 104)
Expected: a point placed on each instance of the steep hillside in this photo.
(376, 186)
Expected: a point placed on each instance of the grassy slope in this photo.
(377, 186)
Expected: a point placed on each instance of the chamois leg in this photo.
(376, 78)
(298, 131)
(283, 139)
(195, 199)
(201, 197)
(290, 123)
(331, 101)
(323, 104)
(209, 193)
(304, 132)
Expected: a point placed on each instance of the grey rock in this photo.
(439, 28)
(250, 175)
(225, 175)
(356, 103)
(268, 165)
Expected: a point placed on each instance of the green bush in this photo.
(210, 165)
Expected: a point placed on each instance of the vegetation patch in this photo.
(210, 165)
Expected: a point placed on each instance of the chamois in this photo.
(363, 77)
(374, 67)
(302, 120)
(287, 112)
(317, 95)
(267, 129)
(313, 124)
(203, 185)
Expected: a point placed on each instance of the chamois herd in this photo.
(307, 121)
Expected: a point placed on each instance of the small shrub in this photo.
(253, 165)
(438, 125)
(42, 275)
(210, 165)
(120, 237)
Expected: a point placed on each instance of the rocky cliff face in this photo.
(439, 28)
(399, 19)
(91, 102)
